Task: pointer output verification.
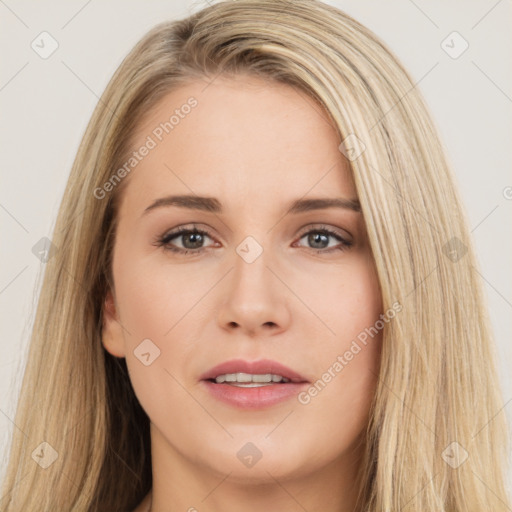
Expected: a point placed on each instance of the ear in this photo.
(112, 332)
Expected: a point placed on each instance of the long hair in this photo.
(436, 439)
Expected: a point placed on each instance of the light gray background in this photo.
(46, 104)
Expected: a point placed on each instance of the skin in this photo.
(255, 146)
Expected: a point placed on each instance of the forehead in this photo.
(243, 135)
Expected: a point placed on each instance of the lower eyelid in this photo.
(165, 241)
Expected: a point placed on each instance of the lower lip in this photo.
(254, 398)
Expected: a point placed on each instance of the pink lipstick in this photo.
(252, 384)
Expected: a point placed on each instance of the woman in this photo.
(264, 293)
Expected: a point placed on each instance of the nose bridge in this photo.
(250, 262)
(253, 299)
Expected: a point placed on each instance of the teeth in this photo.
(250, 379)
(266, 378)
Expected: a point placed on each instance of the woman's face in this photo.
(259, 281)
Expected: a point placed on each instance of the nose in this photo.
(254, 300)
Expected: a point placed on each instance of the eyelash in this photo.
(164, 240)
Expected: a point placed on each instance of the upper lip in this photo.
(262, 367)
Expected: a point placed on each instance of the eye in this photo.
(319, 240)
(192, 240)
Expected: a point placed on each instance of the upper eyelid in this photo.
(322, 227)
(186, 228)
(173, 233)
(331, 231)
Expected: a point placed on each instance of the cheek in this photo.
(347, 299)
(153, 302)
(153, 298)
(359, 296)
(358, 337)
(338, 401)
(161, 301)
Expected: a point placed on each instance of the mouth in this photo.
(253, 384)
(248, 380)
(262, 372)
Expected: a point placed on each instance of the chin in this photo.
(258, 463)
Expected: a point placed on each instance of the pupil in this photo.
(198, 241)
(313, 239)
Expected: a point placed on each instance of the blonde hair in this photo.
(437, 385)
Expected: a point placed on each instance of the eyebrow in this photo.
(213, 205)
